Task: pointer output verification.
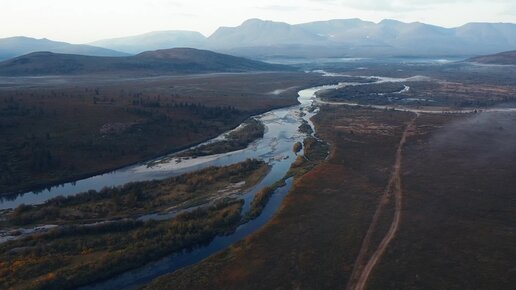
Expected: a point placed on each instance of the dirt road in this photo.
(363, 268)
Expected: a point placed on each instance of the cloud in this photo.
(404, 5)
(287, 8)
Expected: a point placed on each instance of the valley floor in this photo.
(455, 227)
(406, 198)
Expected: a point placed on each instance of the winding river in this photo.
(275, 147)
(281, 133)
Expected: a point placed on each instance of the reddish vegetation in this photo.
(313, 241)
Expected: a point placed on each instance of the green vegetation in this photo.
(238, 139)
(139, 198)
(73, 256)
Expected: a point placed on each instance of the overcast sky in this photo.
(81, 21)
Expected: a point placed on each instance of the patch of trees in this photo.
(305, 128)
(238, 139)
(133, 198)
(73, 256)
(259, 202)
(297, 147)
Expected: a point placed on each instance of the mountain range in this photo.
(336, 38)
(257, 38)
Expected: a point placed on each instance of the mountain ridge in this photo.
(20, 45)
(262, 39)
(354, 37)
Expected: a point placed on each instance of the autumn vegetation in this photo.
(139, 198)
(73, 127)
(237, 139)
(77, 255)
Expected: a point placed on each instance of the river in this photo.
(281, 133)
(275, 147)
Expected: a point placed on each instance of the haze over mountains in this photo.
(338, 38)
(19, 45)
(257, 38)
(176, 60)
(154, 40)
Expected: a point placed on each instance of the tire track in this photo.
(362, 269)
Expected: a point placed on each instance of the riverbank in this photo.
(80, 128)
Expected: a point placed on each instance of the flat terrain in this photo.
(451, 207)
(403, 201)
(458, 229)
(62, 128)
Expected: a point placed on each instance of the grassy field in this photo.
(313, 240)
(58, 129)
(457, 219)
(458, 227)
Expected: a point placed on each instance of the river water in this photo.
(276, 148)
(281, 133)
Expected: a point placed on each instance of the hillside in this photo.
(503, 58)
(17, 46)
(177, 60)
(154, 40)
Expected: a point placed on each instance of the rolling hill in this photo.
(17, 46)
(502, 58)
(176, 60)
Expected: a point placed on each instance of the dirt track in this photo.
(362, 269)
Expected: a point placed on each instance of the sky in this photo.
(83, 21)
